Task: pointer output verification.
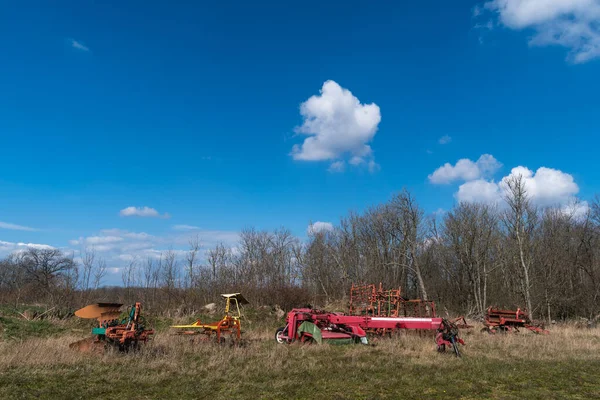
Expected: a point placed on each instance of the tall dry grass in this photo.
(166, 349)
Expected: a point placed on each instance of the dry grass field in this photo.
(564, 364)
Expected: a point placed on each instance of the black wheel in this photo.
(279, 333)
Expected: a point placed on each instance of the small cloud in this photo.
(36, 246)
(15, 227)
(185, 228)
(319, 226)
(338, 166)
(445, 139)
(142, 212)
(78, 45)
(465, 170)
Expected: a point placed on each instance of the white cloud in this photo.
(319, 226)
(338, 126)
(337, 166)
(7, 225)
(545, 187)
(142, 212)
(465, 170)
(574, 24)
(10, 247)
(445, 139)
(185, 228)
(92, 240)
(78, 45)
(576, 209)
(480, 191)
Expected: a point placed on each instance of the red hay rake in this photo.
(498, 320)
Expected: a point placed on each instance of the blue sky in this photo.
(194, 110)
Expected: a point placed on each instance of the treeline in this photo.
(476, 255)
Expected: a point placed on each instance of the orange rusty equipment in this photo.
(498, 320)
(125, 334)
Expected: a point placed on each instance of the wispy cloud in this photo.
(142, 212)
(445, 139)
(185, 228)
(78, 45)
(573, 24)
(15, 227)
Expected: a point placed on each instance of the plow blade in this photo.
(88, 345)
(96, 310)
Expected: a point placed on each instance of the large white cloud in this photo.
(338, 127)
(545, 187)
(465, 170)
(574, 24)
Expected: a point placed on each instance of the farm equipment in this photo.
(230, 323)
(375, 301)
(498, 320)
(124, 334)
(308, 325)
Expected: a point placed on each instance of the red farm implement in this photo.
(498, 320)
(124, 334)
(375, 301)
(309, 325)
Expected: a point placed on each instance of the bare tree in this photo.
(190, 259)
(99, 272)
(520, 220)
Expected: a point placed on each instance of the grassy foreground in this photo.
(564, 364)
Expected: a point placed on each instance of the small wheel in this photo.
(279, 336)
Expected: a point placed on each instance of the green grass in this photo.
(332, 372)
(12, 328)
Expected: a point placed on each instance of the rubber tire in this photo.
(277, 337)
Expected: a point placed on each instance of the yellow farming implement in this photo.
(230, 323)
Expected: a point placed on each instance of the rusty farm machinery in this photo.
(499, 320)
(113, 331)
(373, 311)
(229, 324)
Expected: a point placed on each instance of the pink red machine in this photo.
(377, 312)
(309, 325)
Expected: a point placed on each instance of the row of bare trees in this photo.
(509, 254)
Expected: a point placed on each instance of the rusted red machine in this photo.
(375, 301)
(309, 325)
(498, 320)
